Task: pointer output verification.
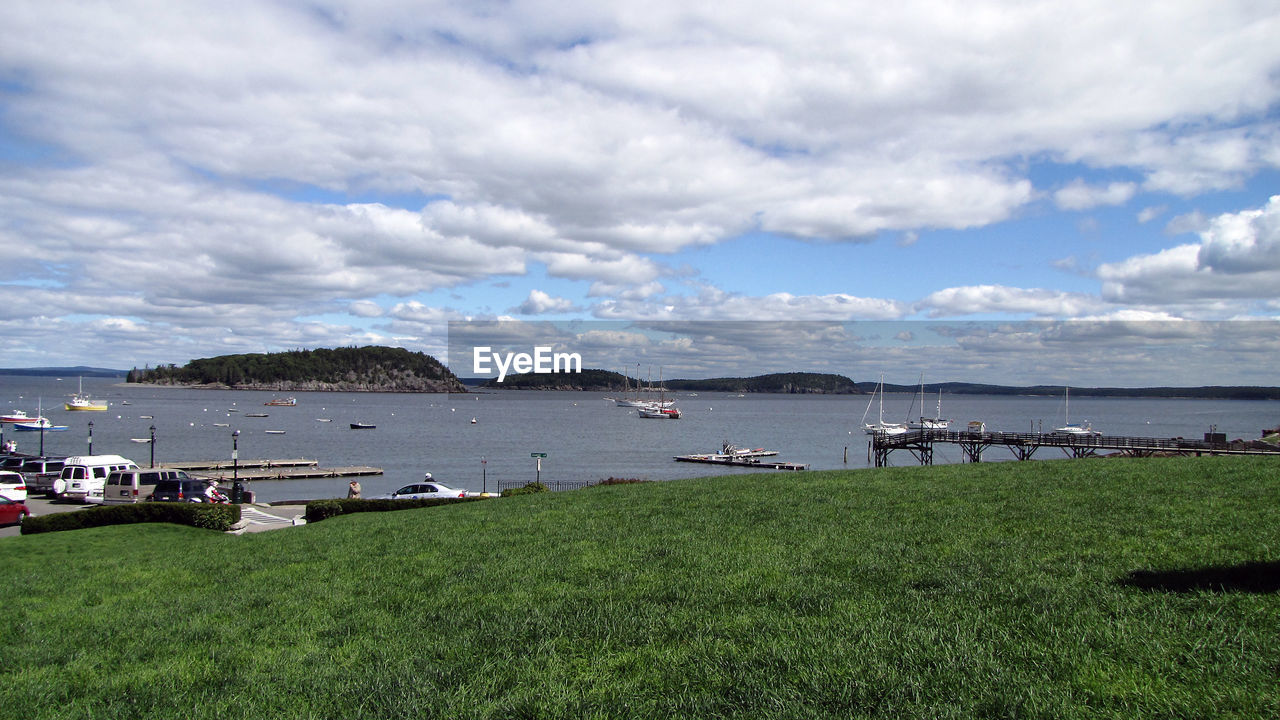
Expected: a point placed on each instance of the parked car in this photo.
(40, 472)
(187, 490)
(13, 486)
(13, 512)
(127, 486)
(418, 491)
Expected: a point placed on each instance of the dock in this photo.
(1024, 445)
(743, 459)
(286, 469)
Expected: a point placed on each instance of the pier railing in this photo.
(1024, 445)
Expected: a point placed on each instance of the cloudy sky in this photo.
(182, 180)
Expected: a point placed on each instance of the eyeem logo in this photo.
(542, 362)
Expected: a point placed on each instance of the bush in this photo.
(620, 481)
(201, 515)
(318, 510)
(528, 489)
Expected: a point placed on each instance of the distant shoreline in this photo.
(1216, 392)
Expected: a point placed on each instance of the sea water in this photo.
(584, 435)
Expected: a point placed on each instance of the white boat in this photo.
(1070, 428)
(17, 416)
(937, 422)
(880, 427)
(80, 401)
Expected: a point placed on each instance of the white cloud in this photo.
(540, 302)
(714, 304)
(979, 299)
(1078, 195)
(1237, 258)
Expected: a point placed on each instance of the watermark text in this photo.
(542, 361)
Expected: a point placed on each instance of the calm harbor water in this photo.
(585, 437)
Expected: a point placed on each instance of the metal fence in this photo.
(552, 485)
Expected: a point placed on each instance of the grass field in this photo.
(1053, 589)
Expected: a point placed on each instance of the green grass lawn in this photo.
(1053, 589)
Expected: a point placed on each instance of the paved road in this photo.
(259, 517)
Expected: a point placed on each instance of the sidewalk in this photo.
(258, 518)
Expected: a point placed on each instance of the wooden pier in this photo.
(1024, 445)
(287, 469)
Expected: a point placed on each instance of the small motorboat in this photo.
(362, 426)
(38, 424)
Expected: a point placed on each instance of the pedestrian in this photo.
(353, 490)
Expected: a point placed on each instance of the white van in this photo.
(125, 486)
(84, 476)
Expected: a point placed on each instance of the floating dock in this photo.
(287, 469)
(736, 457)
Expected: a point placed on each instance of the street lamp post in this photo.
(237, 490)
(153, 446)
(90, 437)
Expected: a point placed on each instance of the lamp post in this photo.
(237, 490)
(153, 446)
(90, 437)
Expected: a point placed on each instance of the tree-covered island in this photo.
(350, 369)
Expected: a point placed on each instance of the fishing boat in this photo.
(937, 422)
(282, 402)
(17, 416)
(39, 424)
(80, 401)
(880, 427)
(1070, 428)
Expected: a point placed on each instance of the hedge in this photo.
(318, 510)
(201, 515)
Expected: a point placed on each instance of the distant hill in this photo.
(822, 383)
(609, 381)
(78, 371)
(367, 369)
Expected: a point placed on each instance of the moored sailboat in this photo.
(880, 427)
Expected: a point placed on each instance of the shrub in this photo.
(318, 510)
(620, 481)
(201, 515)
(529, 488)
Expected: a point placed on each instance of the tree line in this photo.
(348, 368)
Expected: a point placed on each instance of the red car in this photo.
(12, 512)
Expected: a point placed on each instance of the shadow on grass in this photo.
(1254, 577)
